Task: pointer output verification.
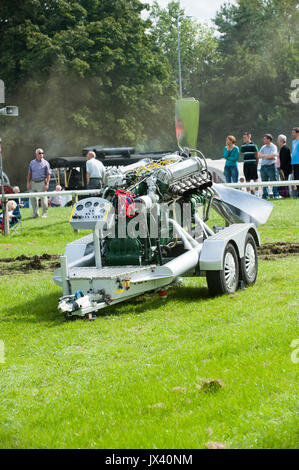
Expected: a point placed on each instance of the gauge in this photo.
(88, 204)
(79, 208)
(96, 204)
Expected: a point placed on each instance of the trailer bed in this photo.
(107, 272)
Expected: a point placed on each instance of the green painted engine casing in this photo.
(122, 252)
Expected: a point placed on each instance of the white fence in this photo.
(263, 184)
(73, 193)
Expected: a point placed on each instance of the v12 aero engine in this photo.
(149, 229)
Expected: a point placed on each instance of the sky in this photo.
(202, 10)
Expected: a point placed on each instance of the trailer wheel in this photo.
(225, 281)
(249, 264)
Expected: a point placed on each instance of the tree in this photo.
(250, 87)
(198, 45)
(82, 72)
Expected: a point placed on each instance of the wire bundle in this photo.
(126, 203)
(153, 166)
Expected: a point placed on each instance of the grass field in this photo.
(137, 376)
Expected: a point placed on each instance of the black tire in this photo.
(249, 263)
(225, 281)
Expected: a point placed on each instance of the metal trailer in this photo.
(149, 229)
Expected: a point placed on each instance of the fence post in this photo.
(5, 224)
(74, 198)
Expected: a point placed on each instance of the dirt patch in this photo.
(211, 386)
(45, 256)
(25, 264)
(270, 251)
(215, 445)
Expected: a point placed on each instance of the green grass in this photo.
(40, 235)
(283, 224)
(131, 379)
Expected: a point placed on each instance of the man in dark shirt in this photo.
(250, 152)
(285, 158)
(285, 166)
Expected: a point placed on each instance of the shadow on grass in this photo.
(37, 310)
(189, 293)
(44, 309)
(150, 301)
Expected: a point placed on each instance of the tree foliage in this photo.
(198, 45)
(251, 83)
(82, 72)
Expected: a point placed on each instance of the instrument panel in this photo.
(87, 212)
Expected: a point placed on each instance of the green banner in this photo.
(186, 122)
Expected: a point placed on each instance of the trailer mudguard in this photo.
(211, 256)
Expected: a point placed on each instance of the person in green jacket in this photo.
(231, 155)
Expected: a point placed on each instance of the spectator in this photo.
(10, 207)
(295, 154)
(231, 154)
(268, 154)
(94, 171)
(16, 190)
(56, 201)
(283, 163)
(38, 181)
(250, 152)
(242, 180)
